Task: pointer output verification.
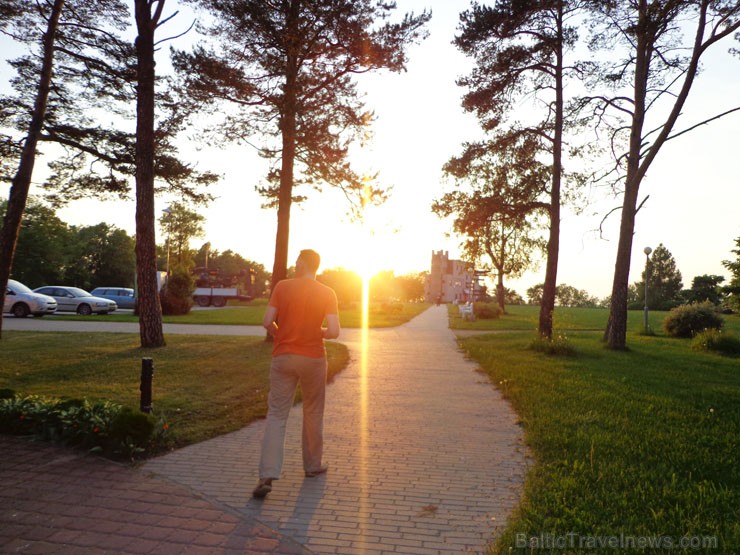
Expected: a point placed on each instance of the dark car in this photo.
(124, 297)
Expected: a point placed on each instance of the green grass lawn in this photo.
(643, 443)
(526, 317)
(203, 386)
(251, 315)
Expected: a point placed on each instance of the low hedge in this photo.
(102, 427)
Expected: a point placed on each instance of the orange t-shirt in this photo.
(302, 304)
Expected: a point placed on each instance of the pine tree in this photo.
(651, 77)
(663, 279)
(520, 49)
(288, 68)
(733, 287)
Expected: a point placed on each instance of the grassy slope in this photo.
(640, 443)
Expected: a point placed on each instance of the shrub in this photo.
(101, 427)
(131, 431)
(486, 311)
(176, 297)
(716, 340)
(689, 319)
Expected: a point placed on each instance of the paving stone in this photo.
(422, 449)
(66, 502)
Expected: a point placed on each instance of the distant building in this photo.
(450, 280)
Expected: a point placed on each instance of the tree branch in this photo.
(176, 36)
(705, 122)
(606, 217)
(641, 204)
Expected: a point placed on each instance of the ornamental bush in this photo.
(177, 295)
(103, 427)
(486, 311)
(689, 319)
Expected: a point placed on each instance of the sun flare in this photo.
(364, 415)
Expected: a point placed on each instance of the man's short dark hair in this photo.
(311, 259)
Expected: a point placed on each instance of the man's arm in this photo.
(331, 331)
(268, 322)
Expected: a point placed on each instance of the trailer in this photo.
(217, 296)
(214, 288)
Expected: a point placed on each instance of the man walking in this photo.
(294, 317)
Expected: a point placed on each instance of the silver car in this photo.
(74, 299)
(21, 301)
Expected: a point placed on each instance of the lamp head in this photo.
(647, 251)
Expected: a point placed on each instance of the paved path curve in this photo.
(59, 501)
(425, 456)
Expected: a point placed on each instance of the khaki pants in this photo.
(286, 372)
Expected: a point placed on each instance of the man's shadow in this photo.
(307, 501)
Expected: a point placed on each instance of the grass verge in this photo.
(526, 317)
(637, 444)
(380, 315)
(203, 386)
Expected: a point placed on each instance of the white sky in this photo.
(693, 185)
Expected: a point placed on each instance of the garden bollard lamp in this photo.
(147, 373)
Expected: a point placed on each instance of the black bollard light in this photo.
(147, 373)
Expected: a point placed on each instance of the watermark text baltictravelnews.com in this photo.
(573, 540)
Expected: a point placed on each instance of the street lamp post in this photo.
(647, 252)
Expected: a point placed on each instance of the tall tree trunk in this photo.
(549, 291)
(500, 292)
(150, 310)
(616, 331)
(288, 132)
(22, 180)
(616, 328)
(500, 296)
(285, 199)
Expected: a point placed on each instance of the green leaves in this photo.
(103, 427)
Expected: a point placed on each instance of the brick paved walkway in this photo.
(425, 456)
(63, 502)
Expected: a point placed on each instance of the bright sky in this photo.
(693, 186)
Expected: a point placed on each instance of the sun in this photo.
(356, 247)
(368, 263)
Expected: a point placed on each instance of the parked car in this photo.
(74, 299)
(124, 297)
(21, 301)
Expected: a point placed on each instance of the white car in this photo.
(21, 301)
(74, 299)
